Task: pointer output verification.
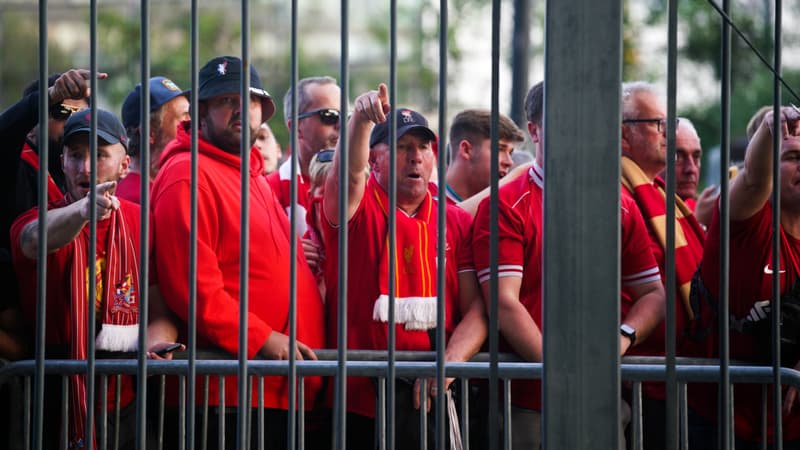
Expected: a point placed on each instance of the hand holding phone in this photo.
(169, 349)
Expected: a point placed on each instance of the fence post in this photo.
(581, 389)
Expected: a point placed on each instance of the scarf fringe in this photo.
(416, 313)
(118, 338)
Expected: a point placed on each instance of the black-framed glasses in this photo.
(62, 111)
(325, 155)
(328, 116)
(661, 123)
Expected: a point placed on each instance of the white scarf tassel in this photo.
(416, 313)
(118, 338)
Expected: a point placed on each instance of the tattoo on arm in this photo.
(28, 239)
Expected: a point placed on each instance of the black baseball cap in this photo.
(109, 128)
(223, 75)
(162, 90)
(407, 120)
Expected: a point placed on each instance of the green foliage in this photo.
(20, 54)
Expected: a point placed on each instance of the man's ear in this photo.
(152, 136)
(535, 132)
(625, 136)
(124, 166)
(465, 150)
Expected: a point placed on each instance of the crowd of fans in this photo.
(168, 174)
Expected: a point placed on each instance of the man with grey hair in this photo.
(644, 157)
(317, 129)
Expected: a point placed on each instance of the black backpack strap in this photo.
(698, 296)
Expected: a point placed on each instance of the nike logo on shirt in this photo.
(769, 271)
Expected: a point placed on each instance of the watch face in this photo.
(626, 329)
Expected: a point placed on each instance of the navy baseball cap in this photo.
(162, 90)
(223, 75)
(109, 128)
(407, 120)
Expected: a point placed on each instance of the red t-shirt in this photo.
(58, 326)
(519, 255)
(218, 268)
(749, 290)
(367, 231)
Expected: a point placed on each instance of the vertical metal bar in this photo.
(292, 410)
(465, 413)
(182, 413)
(520, 58)
(221, 413)
(244, 237)
(392, 225)
(301, 422)
(64, 412)
(261, 412)
(117, 409)
(581, 185)
(725, 404)
(41, 266)
(507, 431)
(671, 401)
(777, 416)
(102, 431)
(441, 274)
(381, 419)
(494, 231)
(191, 367)
(423, 415)
(636, 412)
(340, 394)
(204, 430)
(92, 250)
(161, 388)
(144, 228)
(684, 416)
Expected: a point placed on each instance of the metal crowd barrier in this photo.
(360, 363)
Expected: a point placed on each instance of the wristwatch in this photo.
(629, 332)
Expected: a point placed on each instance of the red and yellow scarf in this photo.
(651, 199)
(415, 263)
(119, 306)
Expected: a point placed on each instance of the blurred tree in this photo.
(21, 56)
(751, 80)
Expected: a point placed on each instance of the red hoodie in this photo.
(218, 222)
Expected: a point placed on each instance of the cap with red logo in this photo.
(407, 120)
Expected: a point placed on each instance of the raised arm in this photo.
(752, 187)
(64, 224)
(370, 108)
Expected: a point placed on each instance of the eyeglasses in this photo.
(62, 111)
(326, 155)
(661, 124)
(328, 116)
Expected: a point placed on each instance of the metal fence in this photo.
(582, 371)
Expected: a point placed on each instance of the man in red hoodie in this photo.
(218, 238)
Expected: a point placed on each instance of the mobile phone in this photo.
(169, 349)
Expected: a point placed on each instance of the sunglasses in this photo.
(325, 155)
(328, 116)
(62, 111)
